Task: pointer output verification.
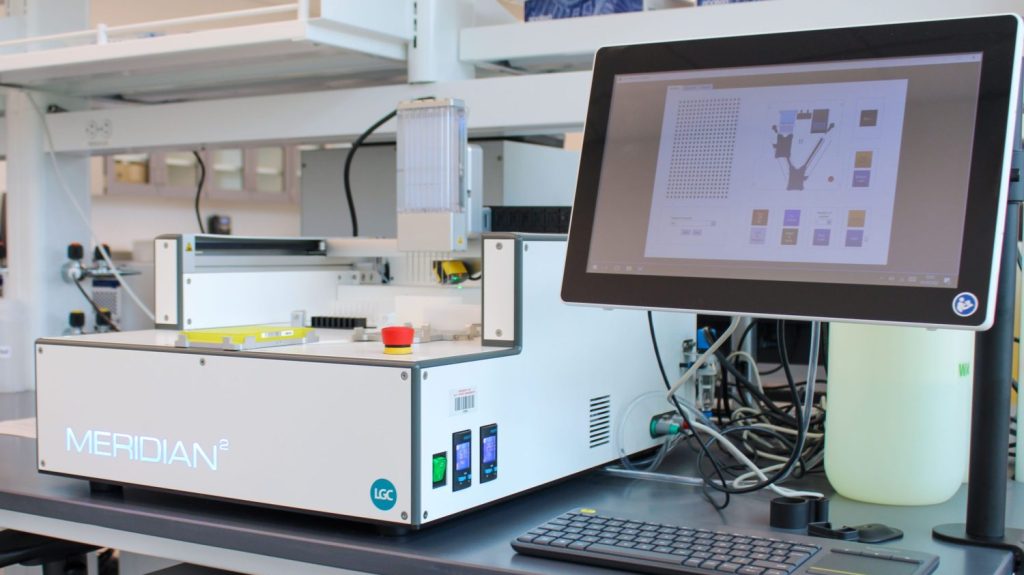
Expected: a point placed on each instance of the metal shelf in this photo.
(323, 116)
(301, 53)
(570, 44)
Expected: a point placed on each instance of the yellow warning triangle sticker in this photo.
(188, 247)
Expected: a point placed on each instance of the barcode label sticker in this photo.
(463, 400)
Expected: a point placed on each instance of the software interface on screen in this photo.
(839, 172)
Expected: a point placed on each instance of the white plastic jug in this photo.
(897, 425)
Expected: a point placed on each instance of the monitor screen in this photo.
(856, 174)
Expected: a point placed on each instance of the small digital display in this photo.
(488, 453)
(462, 447)
(490, 449)
(462, 457)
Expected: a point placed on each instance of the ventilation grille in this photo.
(600, 420)
(334, 322)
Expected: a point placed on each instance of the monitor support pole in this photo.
(990, 412)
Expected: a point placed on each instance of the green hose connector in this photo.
(665, 424)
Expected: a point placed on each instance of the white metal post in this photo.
(40, 220)
(41, 223)
(434, 52)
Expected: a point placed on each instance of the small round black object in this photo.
(97, 255)
(76, 319)
(819, 509)
(790, 512)
(877, 533)
(75, 251)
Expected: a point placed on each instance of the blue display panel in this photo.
(488, 453)
(462, 447)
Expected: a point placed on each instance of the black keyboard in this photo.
(584, 536)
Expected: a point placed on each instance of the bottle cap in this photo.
(97, 255)
(75, 251)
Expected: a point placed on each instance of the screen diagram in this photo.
(816, 130)
(786, 173)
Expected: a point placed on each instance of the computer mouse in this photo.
(877, 533)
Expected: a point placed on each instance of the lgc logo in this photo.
(383, 494)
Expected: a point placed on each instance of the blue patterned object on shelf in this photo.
(555, 9)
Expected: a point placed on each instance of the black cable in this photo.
(739, 344)
(686, 418)
(824, 346)
(743, 418)
(348, 168)
(780, 328)
(777, 476)
(773, 409)
(92, 302)
(724, 409)
(801, 439)
(784, 357)
(723, 487)
(199, 189)
(746, 332)
(817, 444)
(743, 336)
(782, 347)
(723, 402)
(786, 444)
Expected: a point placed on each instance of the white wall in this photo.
(120, 220)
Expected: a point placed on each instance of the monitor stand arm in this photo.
(990, 411)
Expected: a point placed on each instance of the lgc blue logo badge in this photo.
(383, 494)
(965, 304)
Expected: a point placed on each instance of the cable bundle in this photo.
(771, 435)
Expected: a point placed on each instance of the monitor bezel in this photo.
(996, 37)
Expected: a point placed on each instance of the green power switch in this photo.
(440, 469)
